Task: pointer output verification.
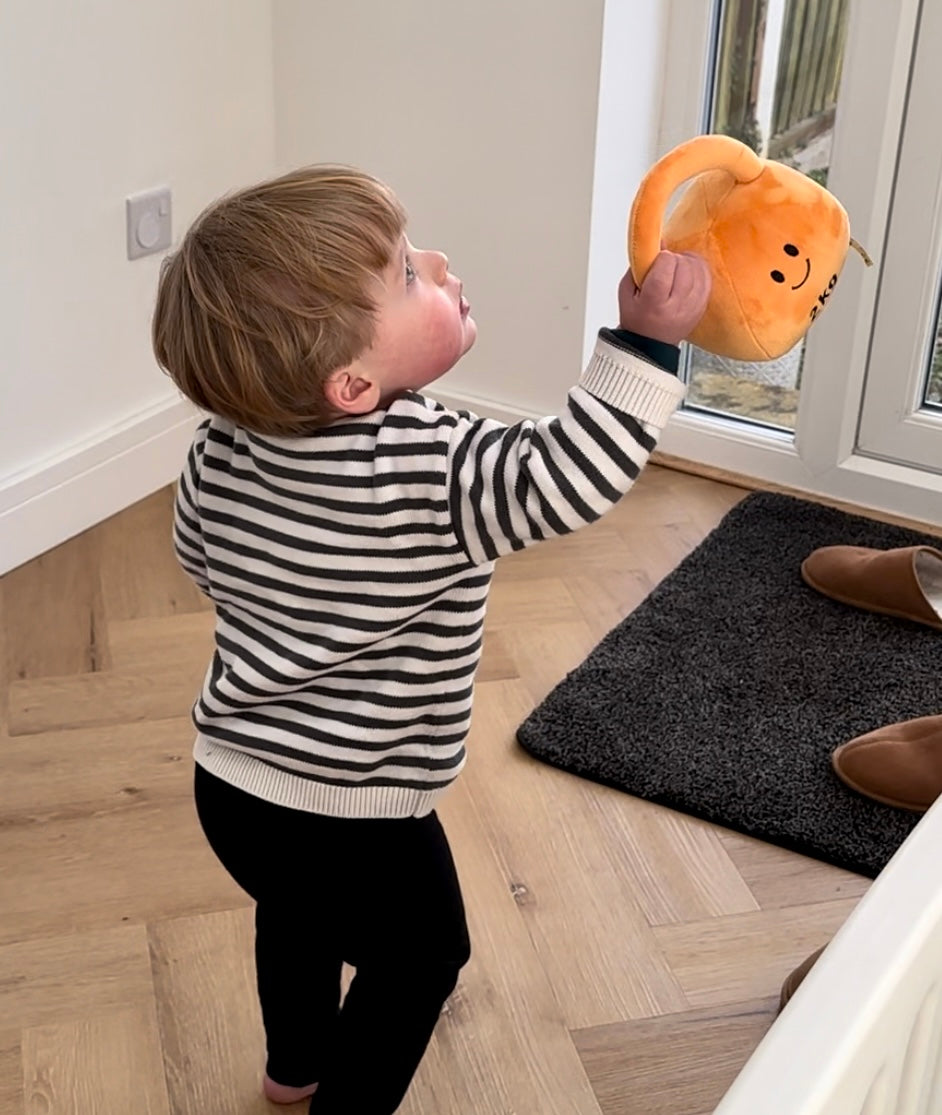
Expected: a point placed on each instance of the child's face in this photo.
(424, 325)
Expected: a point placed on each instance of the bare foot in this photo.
(282, 1093)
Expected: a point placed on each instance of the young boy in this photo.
(345, 528)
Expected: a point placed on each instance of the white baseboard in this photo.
(53, 501)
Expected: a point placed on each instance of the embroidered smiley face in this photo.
(778, 276)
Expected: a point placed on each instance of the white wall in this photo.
(483, 117)
(513, 137)
(101, 99)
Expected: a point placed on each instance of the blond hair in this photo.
(272, 289)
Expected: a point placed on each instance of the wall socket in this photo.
(148, 222)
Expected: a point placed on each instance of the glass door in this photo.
(847, 92)
(774, 86)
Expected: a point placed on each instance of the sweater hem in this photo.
(281, 787)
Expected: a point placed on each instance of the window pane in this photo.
(775, 86)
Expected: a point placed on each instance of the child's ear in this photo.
(349, 391)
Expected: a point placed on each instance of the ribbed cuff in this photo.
(632, 385)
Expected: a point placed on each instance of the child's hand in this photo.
(672, 300)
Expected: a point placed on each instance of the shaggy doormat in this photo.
(726, 690)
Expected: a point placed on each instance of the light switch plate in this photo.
(148, 222)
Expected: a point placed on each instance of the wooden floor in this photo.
(626, 961)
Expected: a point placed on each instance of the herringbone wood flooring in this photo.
(626, 958)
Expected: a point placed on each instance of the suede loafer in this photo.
(906, 582)
(899, 765)
(794, 979)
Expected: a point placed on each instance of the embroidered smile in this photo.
(807, 273)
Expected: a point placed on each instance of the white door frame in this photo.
(892, 423)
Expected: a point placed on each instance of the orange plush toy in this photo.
(774, 239)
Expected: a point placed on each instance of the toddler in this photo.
(345, 527)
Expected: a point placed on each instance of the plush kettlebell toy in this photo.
(775, 242)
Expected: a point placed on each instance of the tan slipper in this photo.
(794, 979)
(906, 583)
(899, 765)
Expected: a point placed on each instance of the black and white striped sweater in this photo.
(350, 571)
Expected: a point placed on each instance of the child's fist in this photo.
(672, 300)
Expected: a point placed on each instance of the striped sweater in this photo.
(350, 569)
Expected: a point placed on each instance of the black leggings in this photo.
(381, 895)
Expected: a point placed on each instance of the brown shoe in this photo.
(899, 765)
(906, 583)
(792, 983)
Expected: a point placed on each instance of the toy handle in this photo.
(707, 152)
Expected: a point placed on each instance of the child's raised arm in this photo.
(510, 487)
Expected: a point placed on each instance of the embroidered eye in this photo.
(778, 276)
(790, 250)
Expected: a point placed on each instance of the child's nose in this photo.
(439, 266)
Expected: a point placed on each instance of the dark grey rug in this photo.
(726, 690)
